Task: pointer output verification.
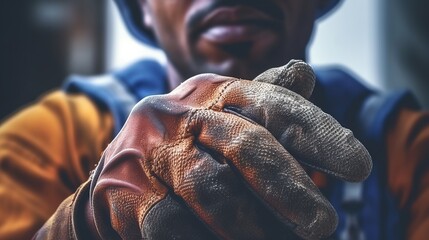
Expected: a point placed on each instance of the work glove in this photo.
(222, 157)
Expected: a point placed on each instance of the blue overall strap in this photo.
(377, 112)
(340, 94)
(121, 90)
(359, 199)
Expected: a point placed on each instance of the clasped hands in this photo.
(221, 157)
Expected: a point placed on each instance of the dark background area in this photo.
(406, 46)
(43, 41)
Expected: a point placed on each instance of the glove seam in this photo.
(221, 95)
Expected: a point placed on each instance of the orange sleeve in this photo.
(46, 152)
(408, 169)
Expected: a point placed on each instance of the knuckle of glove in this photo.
(296, 76)
(201, 91)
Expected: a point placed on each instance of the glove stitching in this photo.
(221, 95)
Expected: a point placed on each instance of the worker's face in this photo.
(238, 38)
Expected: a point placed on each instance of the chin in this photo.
(245, 60)
(238, 68)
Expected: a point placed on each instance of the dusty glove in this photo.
(220, 157)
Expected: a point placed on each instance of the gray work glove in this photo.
(221, 157)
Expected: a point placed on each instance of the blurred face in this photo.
(239, 38)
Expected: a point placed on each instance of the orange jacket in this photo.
(46, 152)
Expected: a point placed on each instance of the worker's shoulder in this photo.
(54, 113)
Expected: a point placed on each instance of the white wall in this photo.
(348, 37)
(122, 48)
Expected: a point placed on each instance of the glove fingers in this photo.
(213, 192)
(169, 219)
(296, 76)
(310, 135)
(269, 170)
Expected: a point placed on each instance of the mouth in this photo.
(227, 25)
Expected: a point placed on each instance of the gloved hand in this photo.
(220, 157)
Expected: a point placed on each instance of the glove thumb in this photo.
(296, 76)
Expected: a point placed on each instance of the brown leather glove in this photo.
(220, 157)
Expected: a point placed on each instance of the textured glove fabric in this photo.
(221, 157)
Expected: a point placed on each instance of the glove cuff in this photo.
(82, 215)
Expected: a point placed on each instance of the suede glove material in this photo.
(220, 157)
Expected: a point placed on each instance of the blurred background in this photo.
(385, 42)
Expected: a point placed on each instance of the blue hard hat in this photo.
(131, 13)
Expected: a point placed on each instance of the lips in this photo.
(235, 24)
